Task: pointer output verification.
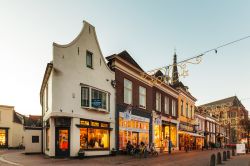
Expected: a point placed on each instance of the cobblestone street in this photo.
(194, 158)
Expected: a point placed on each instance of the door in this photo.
(135, 138)
(62, 142)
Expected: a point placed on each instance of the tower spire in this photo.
(175, 75)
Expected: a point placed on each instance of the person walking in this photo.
(169, 147)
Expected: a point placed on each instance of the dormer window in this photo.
(89, 59)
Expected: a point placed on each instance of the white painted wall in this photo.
(32, 147)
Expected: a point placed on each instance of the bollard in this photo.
(212, 160)
(219, 158)
(228, 154)
(224, 156)
(233, 152)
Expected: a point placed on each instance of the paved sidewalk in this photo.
(193, 158)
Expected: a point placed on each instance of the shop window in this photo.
(98, 139)
(47, 138)
(89, 59)
(83, 138)
(85, 97)
(127, 91)
(157, 135)
(142, 97)
(3, 136)
(158, 102)
(35, 139)
(166, 105)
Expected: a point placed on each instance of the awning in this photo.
(189, 133)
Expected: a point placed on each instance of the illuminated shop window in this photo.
(95, 137)
(2, 137)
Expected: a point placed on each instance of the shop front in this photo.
(135, 129)
(188, 138)
(164, 131)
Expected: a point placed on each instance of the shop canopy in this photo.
(189, 133)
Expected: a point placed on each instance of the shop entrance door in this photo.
(62, 142)
(135, 138)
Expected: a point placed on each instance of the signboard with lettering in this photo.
(185, 127)
(97, 103)
(240, 149)
(158, 121)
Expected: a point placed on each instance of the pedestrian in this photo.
(169, 147)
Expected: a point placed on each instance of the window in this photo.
(233, 114)
(142, 97)
(187, 110)
(85, 97)
(35, 139)
(182, 111)
(173, 108)
(94, 138)
(98, 99)
(233, 121)
(46, 98)
(47, 138)
(3, 137)
(166, 105)
(191, 112)
(89, 60)
(158, 102)
(127, 91)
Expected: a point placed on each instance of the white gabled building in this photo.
(78, 99)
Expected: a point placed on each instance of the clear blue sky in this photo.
(148, 30)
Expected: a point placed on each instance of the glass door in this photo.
(135, 138)
(62, 142)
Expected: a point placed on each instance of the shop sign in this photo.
(158, 121)
(184, 127)
(240, 149)
(134, 130)
(97, 103)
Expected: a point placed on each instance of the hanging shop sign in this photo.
(158, 121)
(184, 127)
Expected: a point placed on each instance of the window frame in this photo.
(166, 105)
(158, 101)
(90, 88)
(99, 127)
(88, 53)
(142, 95)
(174, 112)
(128, 90)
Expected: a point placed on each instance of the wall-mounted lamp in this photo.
(113, 83)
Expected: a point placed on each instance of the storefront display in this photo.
(135, 130)
(94, 136)
(3, 137)
(163, 133)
